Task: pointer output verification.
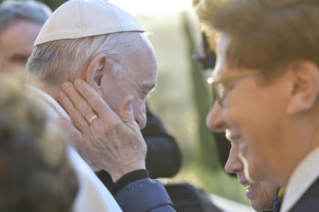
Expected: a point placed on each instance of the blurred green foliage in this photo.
(53, 4)
(202, 102)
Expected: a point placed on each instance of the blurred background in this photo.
(182, 97)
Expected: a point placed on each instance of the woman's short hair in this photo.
(269, 34)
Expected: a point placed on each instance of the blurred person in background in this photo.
(277, 139)
(20, 24)
(35, 173)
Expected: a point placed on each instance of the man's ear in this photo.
(304, 87)
(96, 72)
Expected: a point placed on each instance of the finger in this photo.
(126, 112)
(76, 118)
(80, 103)
(72, 133)
(95, 100)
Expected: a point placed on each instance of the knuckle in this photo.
(95, 102)
(85, 91)
(84, 108)
(77, 120)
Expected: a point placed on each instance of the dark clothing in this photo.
(309, 202)
(129, 178)
(144, 195)
(163, 157)
(277, 201)
(187, 198)
(223, 147)
(135, 192)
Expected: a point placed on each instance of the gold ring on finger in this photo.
(92, 119)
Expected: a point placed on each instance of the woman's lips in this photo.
(251, 187)
(250, 192)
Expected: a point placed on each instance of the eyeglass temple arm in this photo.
(227, 79)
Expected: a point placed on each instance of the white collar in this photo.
(52, 102)
(301, 179)
(57, 111)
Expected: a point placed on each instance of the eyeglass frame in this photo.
(214, 83)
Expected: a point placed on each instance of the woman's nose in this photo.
(234, 164)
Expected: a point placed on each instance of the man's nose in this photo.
(141, 119)
(215, 120)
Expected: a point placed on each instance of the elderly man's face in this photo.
(252, 113)
(139, 80)
(16, 45)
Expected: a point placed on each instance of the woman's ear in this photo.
(97, 71)
(304, 87)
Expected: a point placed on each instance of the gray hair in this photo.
(12, 12)
(61, 60)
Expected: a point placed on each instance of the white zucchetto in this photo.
(84, 18)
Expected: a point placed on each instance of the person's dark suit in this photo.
(309, 202)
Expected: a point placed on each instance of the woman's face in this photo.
(260, 194)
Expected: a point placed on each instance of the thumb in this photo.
(126, 111)
(73, 133)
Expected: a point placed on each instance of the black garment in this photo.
(223, 148)
(309, 202)
(187, 198)
(163, 157)
(277, 201)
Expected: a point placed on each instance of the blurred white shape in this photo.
(153, 7)
(227, 205)
(210, 80)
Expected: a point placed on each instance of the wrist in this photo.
(129, 178)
